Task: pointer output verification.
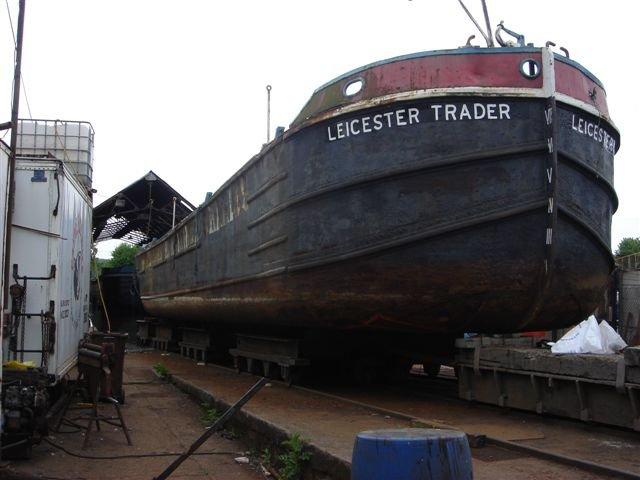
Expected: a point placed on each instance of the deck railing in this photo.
(629, 262)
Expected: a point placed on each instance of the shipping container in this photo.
(50, 259)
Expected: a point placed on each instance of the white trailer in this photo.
(4, 173)
(50, 259)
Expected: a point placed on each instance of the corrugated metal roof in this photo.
(140, 212)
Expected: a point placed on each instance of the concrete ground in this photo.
(161, 419)
(330, 424)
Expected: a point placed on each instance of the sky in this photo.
(179, 87)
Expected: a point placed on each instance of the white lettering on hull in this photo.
(447, 112)
(594, 131)
(368, 124)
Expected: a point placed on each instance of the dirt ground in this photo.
(161, 419)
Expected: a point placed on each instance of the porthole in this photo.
(353, 87)
(530, 69)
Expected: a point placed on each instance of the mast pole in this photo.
(268, 113)
(487, 39)
(13, 146)
(173, 221)
(488, 23)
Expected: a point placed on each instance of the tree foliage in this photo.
(102, 263)
(628, 246)
(123, 255)
(97, 264)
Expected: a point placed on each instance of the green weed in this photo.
(161, 370)
(266, 456)
(293, 458)
(209, 413)
(230, 433)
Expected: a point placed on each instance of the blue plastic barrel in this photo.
(411, 454)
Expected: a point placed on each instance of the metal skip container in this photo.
(50, 260)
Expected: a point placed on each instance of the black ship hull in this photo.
(434, 215)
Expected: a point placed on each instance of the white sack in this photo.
(583, 338)
(611, 341)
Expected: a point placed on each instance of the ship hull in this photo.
(427, 215)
